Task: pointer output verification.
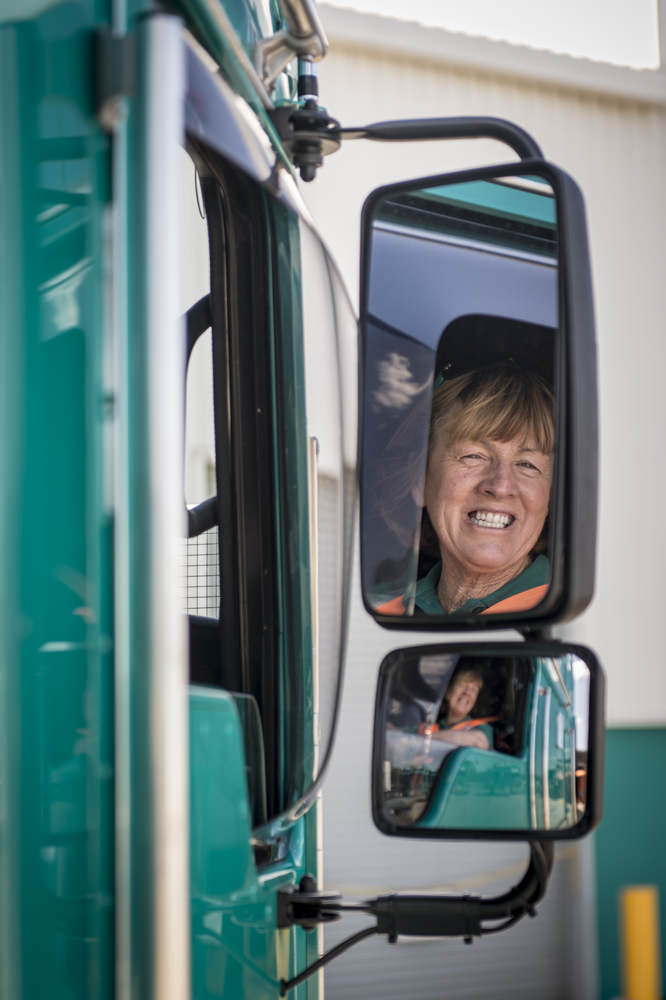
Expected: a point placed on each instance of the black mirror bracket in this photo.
(307, 130)
(309, 133)
(306, 906)
(420, 916)
(464, 916)
(461, 127)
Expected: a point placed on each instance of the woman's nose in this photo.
(499, 480)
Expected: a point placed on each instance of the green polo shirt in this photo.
(536, 574)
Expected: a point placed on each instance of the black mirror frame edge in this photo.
(575, 492)
(596, 746)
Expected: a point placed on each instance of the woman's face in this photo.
(461, 698)
(487, 501)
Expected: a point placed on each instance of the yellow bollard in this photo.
(639, 936)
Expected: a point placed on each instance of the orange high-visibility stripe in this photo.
(519, 602)
(473, 723)
(396, 606)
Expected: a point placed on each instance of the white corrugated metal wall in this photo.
(606, 126)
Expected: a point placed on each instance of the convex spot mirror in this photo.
(501, 740)
(478, 437)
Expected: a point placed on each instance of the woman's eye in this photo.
(529, 466)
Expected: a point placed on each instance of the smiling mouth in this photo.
(490, 519)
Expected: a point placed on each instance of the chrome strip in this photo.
(304, 36)
(560, 679)
(303, 22)
(572, 774)
(116, 381)
(164, 705)
(545, 743)
(532, 758)
(313, 504)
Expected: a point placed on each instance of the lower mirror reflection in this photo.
(482, 741)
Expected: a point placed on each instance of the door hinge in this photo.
(115, 61)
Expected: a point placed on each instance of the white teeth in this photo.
(490, 519)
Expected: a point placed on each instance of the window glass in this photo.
(329, 328)
(201, 579)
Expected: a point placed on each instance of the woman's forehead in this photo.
(468, 679)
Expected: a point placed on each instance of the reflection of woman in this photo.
(486, 493)
(455, 723)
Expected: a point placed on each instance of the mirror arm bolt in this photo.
(306, 906)
(307, 131)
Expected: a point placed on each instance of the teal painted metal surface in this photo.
(237, 950)
(57, 623)
(221, 859)
(502, 199)
(629, 844)
(480, 789)
(56, 733)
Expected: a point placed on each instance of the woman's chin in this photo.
(495, 564)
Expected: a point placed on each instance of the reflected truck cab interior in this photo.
(497, 738)
(465, 428)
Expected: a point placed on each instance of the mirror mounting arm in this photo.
(420, 916)
(463, 916)
(465, 127)
(309, 133)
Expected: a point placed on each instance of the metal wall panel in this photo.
(607, 127)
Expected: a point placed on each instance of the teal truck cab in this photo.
(178, 440)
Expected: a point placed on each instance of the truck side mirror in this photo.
(501, 740)
(478, 401)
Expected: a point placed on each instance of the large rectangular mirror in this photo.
(464, 418)
(488, 740)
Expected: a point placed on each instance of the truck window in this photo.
(264, 468)
(201, 579)
(227, 572)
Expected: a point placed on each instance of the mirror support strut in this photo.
(463, 916)
(466, 127)
(309, 133)
(424, 916)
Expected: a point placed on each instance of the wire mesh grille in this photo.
(201, 575)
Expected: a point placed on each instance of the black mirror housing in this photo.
(489, 741)
(475, 269)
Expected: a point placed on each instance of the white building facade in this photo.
(607, 127)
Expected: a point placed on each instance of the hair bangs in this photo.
(496, 404)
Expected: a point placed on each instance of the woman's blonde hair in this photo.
(496, 403)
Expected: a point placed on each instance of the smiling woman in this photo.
(487, 491)
(486, 494)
